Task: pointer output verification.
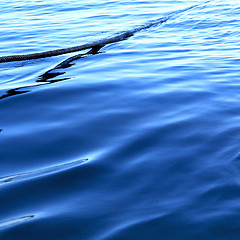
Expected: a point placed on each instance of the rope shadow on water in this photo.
(47, 77)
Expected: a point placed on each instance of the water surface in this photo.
(139, 141)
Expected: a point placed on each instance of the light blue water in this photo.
(157, 116)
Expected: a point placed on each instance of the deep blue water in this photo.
(140, 141)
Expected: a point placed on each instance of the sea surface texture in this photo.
(138, 141)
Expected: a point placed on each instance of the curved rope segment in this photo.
(95, 44)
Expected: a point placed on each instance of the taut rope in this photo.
(100, 43)
(92, 45)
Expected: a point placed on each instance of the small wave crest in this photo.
(15, 221)
(41, 172)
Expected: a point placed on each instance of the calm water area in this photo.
(140, 140)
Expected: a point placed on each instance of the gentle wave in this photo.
(158, 113)
(10, 222)
(41, 172)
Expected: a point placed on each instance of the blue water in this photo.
(140, 141)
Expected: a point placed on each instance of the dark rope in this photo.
(93, 45)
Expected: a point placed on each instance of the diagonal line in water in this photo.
(100, 43)
(44, 78)
(41, 172)
(155, 22)
(15, 221)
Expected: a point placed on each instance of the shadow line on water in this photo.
(47, 77)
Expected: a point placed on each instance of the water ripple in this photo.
(158, 113)
(41, 172)
(15, 221)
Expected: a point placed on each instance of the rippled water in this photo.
(139, 141)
